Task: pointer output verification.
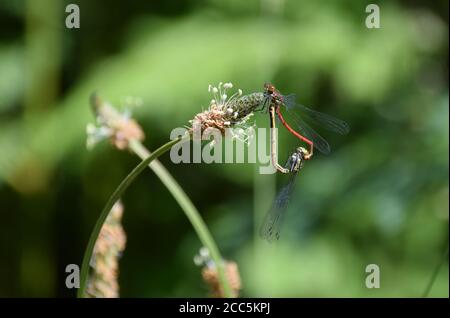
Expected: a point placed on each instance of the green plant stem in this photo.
(180, 196)
(111, 201)
(189, 209)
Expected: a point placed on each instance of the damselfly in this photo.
(271, 226)
(273, 100)
(225, 112)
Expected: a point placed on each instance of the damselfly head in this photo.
(271, 92)
(298, 159)
(269, 88)
(302, 152)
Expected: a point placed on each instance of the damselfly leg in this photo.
(273, 143)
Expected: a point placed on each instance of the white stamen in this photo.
(227, 85)
(204, 252)
(198, 260)
(104, 131)
(90, 129)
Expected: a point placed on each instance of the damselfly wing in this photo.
(271, 226)
(300, 114)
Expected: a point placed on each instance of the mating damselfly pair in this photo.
(227, 112)
(273, 100)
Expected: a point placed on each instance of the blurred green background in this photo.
(381, 197)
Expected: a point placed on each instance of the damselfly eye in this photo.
(269, 88)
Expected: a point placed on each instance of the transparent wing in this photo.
(270, 229)
(319, 142)
(326, 121)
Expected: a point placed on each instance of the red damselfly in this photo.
(225, 112)
(273, 100)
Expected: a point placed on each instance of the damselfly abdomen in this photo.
(274, 99)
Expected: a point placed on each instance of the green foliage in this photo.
(381, 196)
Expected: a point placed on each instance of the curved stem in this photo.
(104, 214)
(177, 192)
(189, 209)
